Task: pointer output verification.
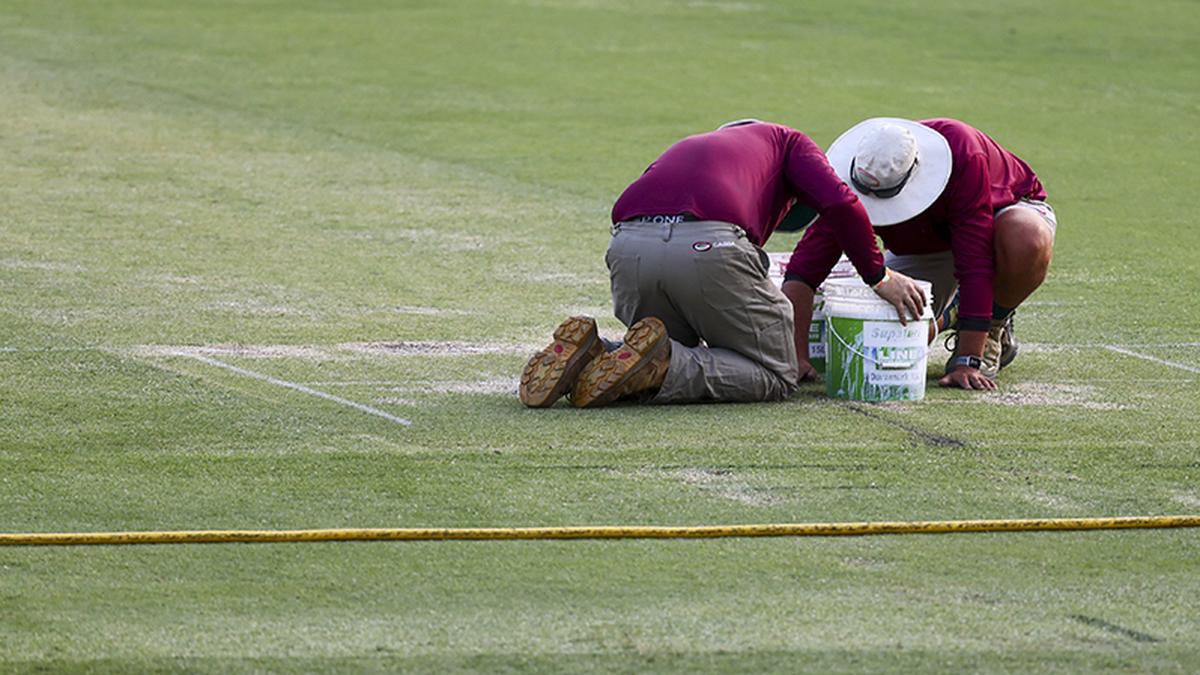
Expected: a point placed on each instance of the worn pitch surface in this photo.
(394, 204)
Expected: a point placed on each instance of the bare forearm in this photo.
(971, 342)
(801, 296)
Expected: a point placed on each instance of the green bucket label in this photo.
(816, 334)
(875, 360)
(816, 342)
(893, 352)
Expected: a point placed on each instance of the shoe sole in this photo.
(601, 383)
(551, 372)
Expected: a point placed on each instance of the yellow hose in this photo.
(599, 532)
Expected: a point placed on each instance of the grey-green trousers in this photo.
(730, 326)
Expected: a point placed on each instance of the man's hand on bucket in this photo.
(903, 293)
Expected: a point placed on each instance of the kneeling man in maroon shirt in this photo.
(690, 279)
(954, 208)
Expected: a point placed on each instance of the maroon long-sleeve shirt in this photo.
(750, 176)
(984, 178)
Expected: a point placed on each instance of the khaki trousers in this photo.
(730, 326)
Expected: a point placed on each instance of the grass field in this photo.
(393, 203)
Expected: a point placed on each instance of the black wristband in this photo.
(969, 361)
(974, 323)
(876, 278)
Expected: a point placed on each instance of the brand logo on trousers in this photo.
(702, 246)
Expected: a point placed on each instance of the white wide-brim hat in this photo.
(926, 182)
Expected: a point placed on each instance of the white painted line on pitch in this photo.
(1051, 346)
(371, 383)
(300, 388)
(1152, 359)
(39, 350)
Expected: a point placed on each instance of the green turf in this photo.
(292, 183)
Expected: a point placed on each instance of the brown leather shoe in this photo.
(638, 367)
(552, 371)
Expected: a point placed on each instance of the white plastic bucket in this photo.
(870, 356)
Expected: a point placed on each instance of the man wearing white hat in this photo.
(690, 279)
(954, 208)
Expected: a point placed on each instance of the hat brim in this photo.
(924, 186)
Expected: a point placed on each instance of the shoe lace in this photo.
(952, 337)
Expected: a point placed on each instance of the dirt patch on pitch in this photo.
(306, 352)
(570, 278)
(325, 353)
(430, 311)
(1048, 348)
(720, 483)
(488, 387)
(1188, 499)
(427, 348)
(407, 391)
(40, 265)
(429, 238)
(1053, 501)
(255, 308)
(1054, 395)
(394, 400)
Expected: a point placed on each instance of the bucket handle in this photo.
(882, 365)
